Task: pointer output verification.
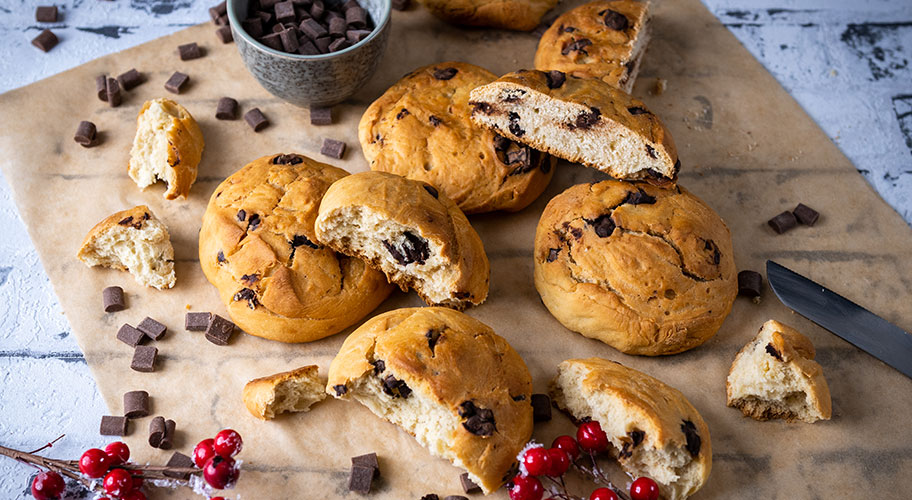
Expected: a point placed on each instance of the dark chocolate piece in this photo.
(322, 43)
(176, 82)
(287, 159)
(320, 115)
(340, 389)
(553, 253)
(144, 358)
(333, 148)
(220, 9)
(101, 87)
(637, 110)
(86, 136)
(289, 40)
(224, 34)
(46, 40)
(112, 296)
(272, 41)
(615, 20)
(284, 12)
(445, 73)
(219, 330)
(468, 485)
(379, 366)
(226, 109)
(167, 440)
(541, 408)
(136, 404)
(361, 479)
(256, 119)
(479, 421)
(431, 190)
(604, 225)
(156, 431)
(402, 114)
(46, 14)
(253, 222)
(317, 9)
(130, 336)
(253, 26)
(313, 29)
(693, 439)
(130, 79)
(179, 460)
(577, 45)
(153, 329)
(455, 497)
(355, 36)
(196, 321)
(113, 426)
(113, 93)
(783, 222)
(396, 388)
(268, 4)
(434, 120)
(189, 51)
(413, 249)
(247, 294)
(805, 214)
(772, 351)
(555, 79)
(400, 4)
(750, 283)
(639, 197)
(306, 47)
(339, 44)
(514, 127)
(337, 27)
(356, 17)
(430, 496)
(369, 460)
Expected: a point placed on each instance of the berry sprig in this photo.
(537, 463)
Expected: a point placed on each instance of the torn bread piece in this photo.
(775, 376)
(580, 120)
(655, 431)
(168, 146)
(292, 391)
(133, 240)
(414, 234)
(445, 378)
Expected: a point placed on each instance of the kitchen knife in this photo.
(860, 327)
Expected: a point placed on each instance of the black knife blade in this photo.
(853, 323)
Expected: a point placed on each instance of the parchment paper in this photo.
(746, 148)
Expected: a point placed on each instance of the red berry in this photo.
(560, 462)
(568, 444)
(47, 485)
(644, 489)
(603, 494)
(134, 495)
(137, 482)
(526, 488)
(93, 463)
(537, 461)
(591, 437)
(203, 452)
(220, 472)
(118, 482)
(228, 443)
(217, 498)
(118, 453)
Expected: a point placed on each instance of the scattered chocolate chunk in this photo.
(339, 44)
(434, 120)
(179, 460)
(637, 110)
(368, 460)
(455, 497)
(256, 119)
(805, 214)
(113, 426)
(693, 439)
(101, 87)
(219, 330)
(189, 51)
(130, 336)
(783, 222)
(749, 283)
(604, 225)
(136, 404)
(224, 34)
(639, 197)
(478, 421)
(153, 329)
(176, 82)
(396, 388)
(445, 73)
(615, 20)
(46, 40)
(167, 440)
(468, 485)
(144, 358)
(340, 389)
(112, 90)
(431, 190)
(514, 127)
(321, 115)
(541, 408)
(553, 253)
(772, 351)
(379, 366)
(401, 4)
(221, 9)
(413, 249)
(86, 134)
(361, 479)
(156, 431)
(226, 109)
(113, 298)
(555, 79)
(332, 148)
(130, 79)
(430, 496)
(576, 45)
(46, 14)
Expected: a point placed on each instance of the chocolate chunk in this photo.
(285, 159)
(189, 51)
(576, 45)
(317, 9)
(400, 4)
(413, 249)
(242, 214)
(431, 190)
(615, 20)
(514, 127)
(639, 197)
(715, 256)
(284, 12)
(313, 29)
(541, 408)
(101, 87)
(430, 496)
(337, 27)
(112, 90)
(340, 389)
(332, 148)
(248, 295)
(272, 41)
(46, 14)
(253, 26)
(86, 134)
(603, 225)
(197, 321)
(320, 115)
(355, 36)
(289, 40)
(112, 297)
(586, 119)
(636, 437)
(783, 222)
(322, 44)
(501, 143)
(306, 47)
(153, 329)
(130, 79)
(219, 330)
(220, 9)
(693, 439)
(144, 358)
(46, 40)
(368, 460)
(555, 79)
(226, 109)
(136, 404)
(256, 119)
(220, 257)
(455, 497)
(339, 44)
(356, 17)
(553, 253)
(179, 461)
(651, 152)
(253, 222)
(300, 239)
(805, 214)
(637, 110)
(268, 4)
(176, 83)
(396, 388)
(113, 426)
(468, 485)
(519, 156)
(130, 336)
(433, 336)
(156, 431)
(478, 421)
(749, 283)
(167, 440)
(361, 479)
(379, 366)
(773, 352)
(445, 73)
(434, 120)
(224, 34)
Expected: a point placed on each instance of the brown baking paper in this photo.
(746, 148)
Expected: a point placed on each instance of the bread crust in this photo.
(185, 148)
(519, 15)
(259, 393)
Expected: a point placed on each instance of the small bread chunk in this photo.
(582, 120)
(655, 431)
(167, 147)
(775, 376)
(132, 240)
(445, 378)
(293, 391)
(414, 234)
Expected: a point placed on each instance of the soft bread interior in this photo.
(360, 231)
(151, 145)
(145, 252)
(296, 394)
(672, 467)
(550, 124)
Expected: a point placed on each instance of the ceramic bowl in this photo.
(320, 80)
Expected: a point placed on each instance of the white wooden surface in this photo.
(847, 62)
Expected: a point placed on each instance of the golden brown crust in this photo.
(420, 129)
(603, 52)
(648, 278)
(185, 148)
(300, 291)
(133, 217)
(519, 15)
(468, 362)
(259, 393)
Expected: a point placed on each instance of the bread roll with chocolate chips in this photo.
(446, 379)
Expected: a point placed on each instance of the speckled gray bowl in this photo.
(320, 80)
